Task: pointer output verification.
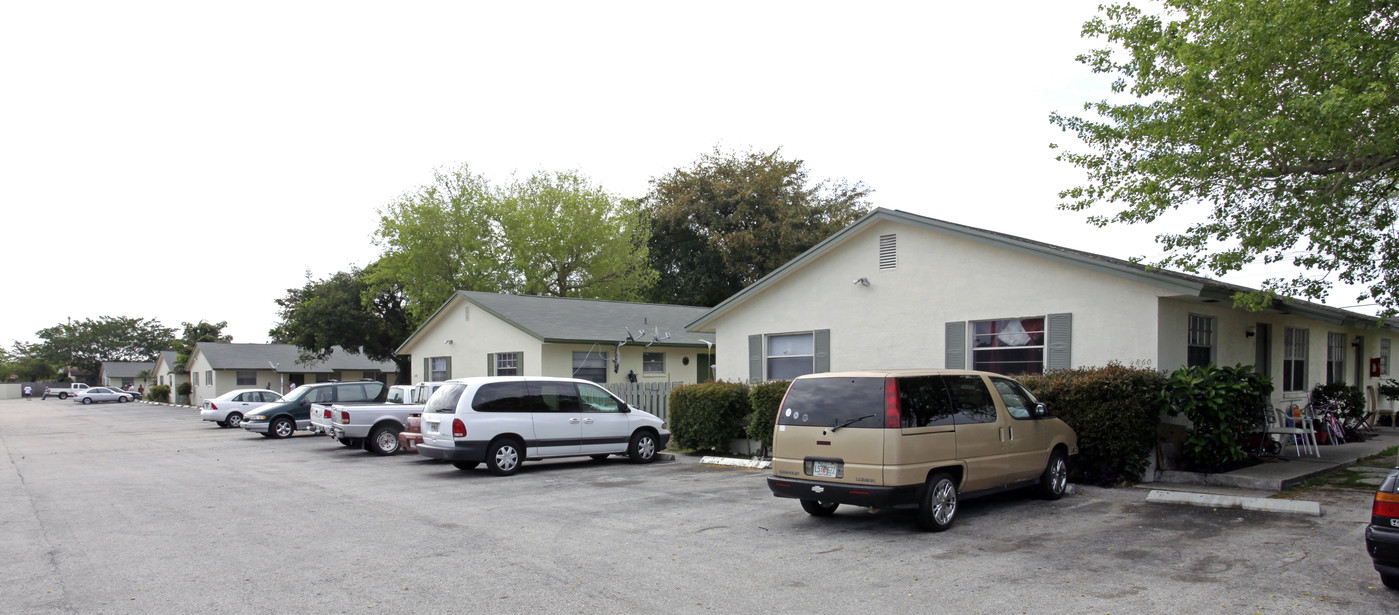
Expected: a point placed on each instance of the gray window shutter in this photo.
(449, 368)
(490, 364)
(755, 358)
(822, 337)
(427, 369)
(1059, 329)
(956, 352)
(520, 363)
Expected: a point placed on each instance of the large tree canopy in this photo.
(348, 310)
(1280, 116)
(85, 344)
(195, 332)
(551, 234)
(732, 218)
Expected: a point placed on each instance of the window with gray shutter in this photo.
(1060, 328)
(823, 350)
(955, 356)
(755, 358)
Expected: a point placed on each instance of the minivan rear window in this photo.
(829, 402)
(444, 401)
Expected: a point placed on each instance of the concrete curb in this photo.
(1300, 507)
(729, 462)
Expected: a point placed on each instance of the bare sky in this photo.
(189, 160)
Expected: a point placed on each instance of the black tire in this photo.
(1390, 580)
(86, 400)
(348, 441)
(819, 509)
(602, 457)
(1055, 479)
(234, 419)
(643, 447)
(937, 509)
(466, 465)
(281, 427)
(63, 396)
(383, 440)
(504, 456)
(221, 423)
(267, 434)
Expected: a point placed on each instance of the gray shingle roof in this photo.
(169, 356)
(125, 369)
(564, 319)
(256, 356)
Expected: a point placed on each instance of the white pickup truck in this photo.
(64, 393)
(377, 426)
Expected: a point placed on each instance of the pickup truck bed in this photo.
(377, 425)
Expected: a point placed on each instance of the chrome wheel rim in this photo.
(283, 428)
(506, 458)
(234, 420)
(387, 441)
(646, 447)
(1058, 475)
(944, 502)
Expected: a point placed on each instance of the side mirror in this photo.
(1041, 411)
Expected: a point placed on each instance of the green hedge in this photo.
(707, 416)
(1224, 405)
(159, 392)
(1115, 412)
(765, 398)
(1339, 391)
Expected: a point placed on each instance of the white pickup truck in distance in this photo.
(64, 393)
(377, 426)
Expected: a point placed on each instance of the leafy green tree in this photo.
(565, 237)
(552, 234)
(350, 310)
(85, 344)
(439, 239)
(732, 218)
(202, 331)
(1281, 116)
(25, 368)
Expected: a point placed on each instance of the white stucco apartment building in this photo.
(898, 290)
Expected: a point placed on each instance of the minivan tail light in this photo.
(1386, 505)
(893, 419)
(458, 428)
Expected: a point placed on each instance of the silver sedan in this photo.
(101, 394)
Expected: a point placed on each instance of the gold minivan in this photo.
(914, 437)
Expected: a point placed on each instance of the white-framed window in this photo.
(209, 376)
(790, 355)
(438, 369)
(590, 366)
(1009, 346)
(1294, 359)
(653, 362)
(507, 364)
(247, 377)
(1384, 357)
(1199, 344)
(160, 379)
(1335, 357)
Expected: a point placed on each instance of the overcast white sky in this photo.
(189, 160)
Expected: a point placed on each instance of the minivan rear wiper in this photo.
(850, 422)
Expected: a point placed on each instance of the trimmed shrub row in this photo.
(1115, 412)
(709, 415)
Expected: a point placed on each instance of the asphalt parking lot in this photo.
(138, 508)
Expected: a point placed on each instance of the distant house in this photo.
(490, 334)
(216, 368)
(898, 290)
(165, 373)
(122, 374)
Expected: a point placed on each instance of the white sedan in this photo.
(101, 394)
(228, 410)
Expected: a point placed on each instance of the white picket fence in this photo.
(653, 397)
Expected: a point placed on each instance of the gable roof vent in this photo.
(888, 251)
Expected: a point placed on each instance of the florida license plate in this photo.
(825, 469)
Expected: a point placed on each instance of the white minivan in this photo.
(505, 420)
